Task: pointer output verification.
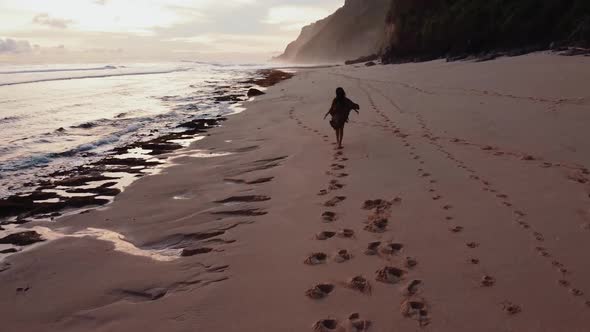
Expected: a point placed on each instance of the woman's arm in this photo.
(354, 106)
(330, 110)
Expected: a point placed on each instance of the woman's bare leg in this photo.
(341, 136)
(337, 131)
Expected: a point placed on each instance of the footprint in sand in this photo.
(389, 275)
(511, 308)
(345, 233)
(378, 225)
(336, 167)
(576, 292)
(316, 258)
(416, 308)
(357, 323)
(325, 235)
(342, 256)
(328, 325)
(335, 185)
(329, 216)
(360, 284)
(524, 224)
(487, 281)
(319, 291)
(392, 248)
(543, 252)
(411, 288)
(474, 261)
(457, 229)
(372, 248)
(323, 192)
(334, 201)
(341, 175)
(410, 262)
(472, 245)
(447, 207)
(380, 204)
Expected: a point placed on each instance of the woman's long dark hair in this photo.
(340, 94)
(340, 97)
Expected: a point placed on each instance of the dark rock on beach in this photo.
(269, 77)
(362, 59)
(22, 239)
(26, 206)
(232, 97)
(254, 92)
(81, 180)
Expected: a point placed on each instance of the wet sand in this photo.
(460, 202)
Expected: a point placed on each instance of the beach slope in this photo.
(460, 202)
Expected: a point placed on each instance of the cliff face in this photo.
(413, 30)
(357, 29)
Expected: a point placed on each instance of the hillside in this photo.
(414, 30)
(354, 30)
(425, 29)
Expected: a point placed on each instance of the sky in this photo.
(66, 31)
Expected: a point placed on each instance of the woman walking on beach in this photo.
(341, 107)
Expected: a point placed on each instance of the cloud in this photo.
(294, 17)
(45, 19)
(14, 46)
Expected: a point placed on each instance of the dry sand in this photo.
(481, 169)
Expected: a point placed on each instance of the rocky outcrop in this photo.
(353, 31)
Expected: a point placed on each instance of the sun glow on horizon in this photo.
(39, 30)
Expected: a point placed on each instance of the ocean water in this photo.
(61, 116)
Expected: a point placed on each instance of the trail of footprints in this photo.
(412, 306)
(503, 199)
(445, 206)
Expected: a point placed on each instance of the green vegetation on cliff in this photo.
(435, 28)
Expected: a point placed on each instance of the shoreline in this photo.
(398, 231)
(97, 184)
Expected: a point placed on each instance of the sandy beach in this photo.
(460, 202)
